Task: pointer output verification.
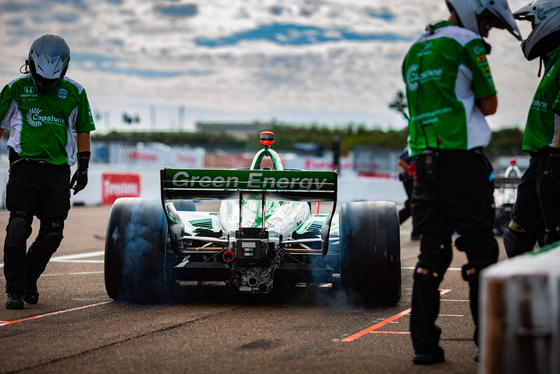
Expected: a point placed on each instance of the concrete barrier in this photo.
(520, 314)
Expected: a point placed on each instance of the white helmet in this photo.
(470, 12)
(48, 61)
(544, 16)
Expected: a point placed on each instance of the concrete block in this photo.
(520, 314)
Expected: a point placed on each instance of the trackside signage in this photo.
(115, 185)
(249, 180)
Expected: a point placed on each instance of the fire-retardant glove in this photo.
(80, 177)
(549, 192)
(552, 167)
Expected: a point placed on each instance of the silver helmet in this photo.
(48, 61)
(470, 12)
(544, 16)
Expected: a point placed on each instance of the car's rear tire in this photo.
(135, 251)
(370, 262)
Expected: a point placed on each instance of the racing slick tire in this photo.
(370, 261)
(136, 251)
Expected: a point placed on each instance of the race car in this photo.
(255, 230)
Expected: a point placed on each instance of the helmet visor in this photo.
(502, 18)
(42, 84)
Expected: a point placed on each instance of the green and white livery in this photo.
(40, 127)
(544, 115)
(255, 230)
(442, 90)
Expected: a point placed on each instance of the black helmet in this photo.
(48, 61)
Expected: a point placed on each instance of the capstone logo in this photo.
(32, 117)
(479, 51)
(540, 105)
(36, 120)
(543, 13)
(412, 77)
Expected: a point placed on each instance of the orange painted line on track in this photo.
(376, 326)
(383, 323)
(5, 323)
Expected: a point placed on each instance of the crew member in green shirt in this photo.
(449, 91)
(536, 213)
(43, 110)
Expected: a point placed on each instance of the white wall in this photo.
(350, 187)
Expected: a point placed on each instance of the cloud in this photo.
(326, 61)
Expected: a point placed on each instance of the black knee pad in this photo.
(428, 272)
(18, 229)
(50, 236)
(471, 271)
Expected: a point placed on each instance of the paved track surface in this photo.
(77, 328)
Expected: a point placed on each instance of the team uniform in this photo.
(446, 71)
(41, 147)
(537, 208)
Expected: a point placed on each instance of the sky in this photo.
(173, 63)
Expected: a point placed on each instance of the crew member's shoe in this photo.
(15, 301)
(31, 296)
(429, 359)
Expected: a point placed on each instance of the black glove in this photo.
(79, 179)
(549, 185)
(552, 167)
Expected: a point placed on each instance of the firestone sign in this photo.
(115, 185)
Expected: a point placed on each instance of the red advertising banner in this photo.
(115, 185)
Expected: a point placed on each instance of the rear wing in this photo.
(294, 185)
(200, 184)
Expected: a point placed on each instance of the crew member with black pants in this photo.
(536, 213)
(450, 91)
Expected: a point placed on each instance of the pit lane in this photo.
(76, 327)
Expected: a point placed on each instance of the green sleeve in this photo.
(556, 105)
(5, 103)
(84, 121)
(476, 60)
